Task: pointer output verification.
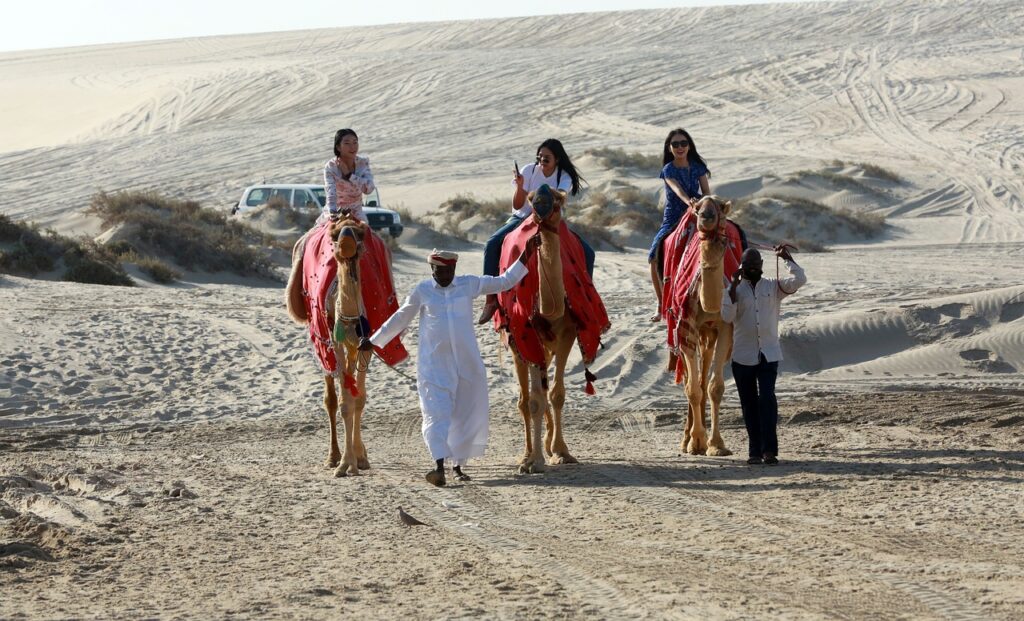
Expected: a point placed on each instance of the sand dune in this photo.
(142, 429)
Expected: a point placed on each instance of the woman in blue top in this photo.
(686, 180)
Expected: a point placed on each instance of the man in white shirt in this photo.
(451, 378)
(753, 308)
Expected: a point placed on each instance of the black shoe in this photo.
(753, 461)
(771, 460)
(488, 312)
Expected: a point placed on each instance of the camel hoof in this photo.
(718, 451)
(696, 448)
(364, 464)
(346, 470)
(333, 461)
(562, 458)
(531, 468)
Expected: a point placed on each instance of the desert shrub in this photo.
(192, 236)
(628, 205)
(595, 235)
(467, 205)
(405, 214)
(31, 251)
(770, 217)
(843, 181)
(89, 262)
(619, 158)
(875, 171)
(158, 270)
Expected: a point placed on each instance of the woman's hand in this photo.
(519, 181)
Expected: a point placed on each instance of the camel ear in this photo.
(726, 207)
(560, 197)
(529, 197)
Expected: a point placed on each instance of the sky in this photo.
(37, 24)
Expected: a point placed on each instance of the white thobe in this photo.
(451, 378)
(755, 315)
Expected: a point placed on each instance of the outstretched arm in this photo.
(796, 278)
(399, 321)
(514, 273)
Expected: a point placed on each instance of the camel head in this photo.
(711, 211)
(547, 205)
(348, 233)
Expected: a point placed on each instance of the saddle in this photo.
(517, 313)
(319, 286)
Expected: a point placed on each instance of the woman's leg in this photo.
(492, 263)
(588, 255)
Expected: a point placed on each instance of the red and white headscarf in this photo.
(442, 257)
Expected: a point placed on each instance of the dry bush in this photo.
(619, 158)
(874, 171)
(158, 270)
(628, 205)
(193, 237)
(843, 181)
(32, 252)
(467, 205)
(795, 219)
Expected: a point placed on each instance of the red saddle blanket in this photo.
(682, 271)
(518, 304)
(319, 273)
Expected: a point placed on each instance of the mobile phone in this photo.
(516, 169)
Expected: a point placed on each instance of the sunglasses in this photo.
(678, 144)
(543, 158)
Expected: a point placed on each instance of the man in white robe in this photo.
(451, 378)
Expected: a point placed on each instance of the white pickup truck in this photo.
(303, 196)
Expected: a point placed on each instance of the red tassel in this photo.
(679, 370)
(351, 386)
(590, 389)
(590, 382)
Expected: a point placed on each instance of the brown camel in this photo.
(344, 314)
(557, 332)
(705, 341)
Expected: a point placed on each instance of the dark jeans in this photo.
(756, 385)
(492, 249)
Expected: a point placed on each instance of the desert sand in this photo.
(161, 447)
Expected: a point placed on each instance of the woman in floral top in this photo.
(346, 177)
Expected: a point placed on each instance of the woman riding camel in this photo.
(686, 180)
(552, 168)
(346, 177)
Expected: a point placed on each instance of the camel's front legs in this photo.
(362, 461)
(697, 443)
(716, 388)
(331, 405)
(523, 377)
(559, 451)
(350, 460)
(534, 460)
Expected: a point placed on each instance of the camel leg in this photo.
(349, 464)
(362, 460)
(716, 388)
(331, 405)
(538, 402)
(523, 377)
(698, 441)
(559, 451)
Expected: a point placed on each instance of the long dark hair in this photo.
(691, 155)
(563, 162)
(341, 133)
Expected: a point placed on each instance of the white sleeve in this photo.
(794, 281)
(728, 308)
(399, 321)
(486, 285)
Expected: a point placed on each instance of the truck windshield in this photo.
(321, 195)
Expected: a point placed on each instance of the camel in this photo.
(704, 340)
(344, 314)
(557, 331)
